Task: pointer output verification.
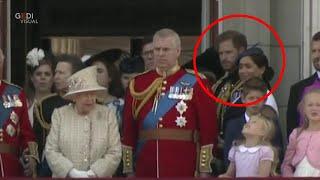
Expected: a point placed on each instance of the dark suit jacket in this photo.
(233, 132)
(296, 91)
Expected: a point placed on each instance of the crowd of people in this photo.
(115, 115)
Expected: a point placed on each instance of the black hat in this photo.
(209, 60)
(250, 52)
(110, 55)
(132, 65)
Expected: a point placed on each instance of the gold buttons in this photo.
(162, 94)
(160, 119)
(164, 82)
(202, 164)
(160, 126)
(163, 88)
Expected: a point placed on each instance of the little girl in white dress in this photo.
(302, 158)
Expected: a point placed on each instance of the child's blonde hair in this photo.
(266, 140)
(305, 123)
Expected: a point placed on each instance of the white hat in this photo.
(84, 80)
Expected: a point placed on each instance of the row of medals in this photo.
(9, 102)
(183, 94)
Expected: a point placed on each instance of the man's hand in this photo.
(26, 164)
(27, 167)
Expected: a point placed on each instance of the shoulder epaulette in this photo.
(12, 84)
(191, 71)
(46, 97)
(39, 114)
(144, 72)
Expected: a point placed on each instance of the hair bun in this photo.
(268, 74)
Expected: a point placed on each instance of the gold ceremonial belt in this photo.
(169, 134)
(7, 148)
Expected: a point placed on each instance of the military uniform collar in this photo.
(171, 71)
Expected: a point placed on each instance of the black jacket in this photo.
(41, 126)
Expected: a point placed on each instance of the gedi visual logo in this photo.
(26, 18)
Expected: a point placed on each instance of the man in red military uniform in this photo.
(169, 123)
(16, 136)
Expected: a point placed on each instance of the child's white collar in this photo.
(253, 149)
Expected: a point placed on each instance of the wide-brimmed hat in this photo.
(84, 80)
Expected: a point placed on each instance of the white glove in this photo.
(91, 174)
(75, 173)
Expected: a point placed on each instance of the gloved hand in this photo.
(75, 173)
(28, 163)
(91, 174)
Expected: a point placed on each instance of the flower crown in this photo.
(34, 56)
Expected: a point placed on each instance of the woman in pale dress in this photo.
(39, 83)
(84, 140)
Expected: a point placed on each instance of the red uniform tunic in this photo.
(162, 157)
(15, 130)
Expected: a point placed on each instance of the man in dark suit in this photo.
(300, 88)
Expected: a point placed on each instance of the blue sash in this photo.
(5, 112)
(164, 105)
